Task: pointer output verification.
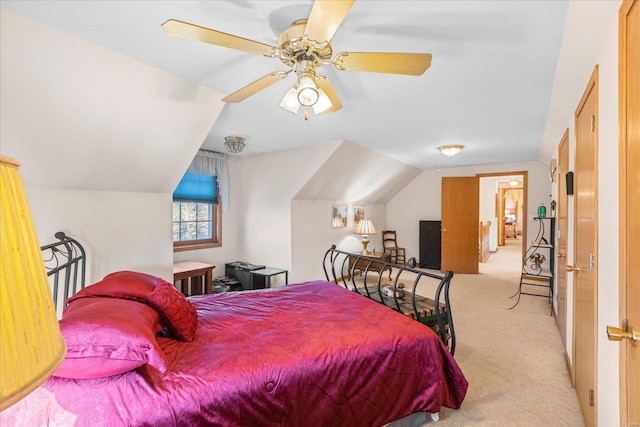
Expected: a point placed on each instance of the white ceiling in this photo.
(488, 88)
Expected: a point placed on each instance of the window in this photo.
(196, 213)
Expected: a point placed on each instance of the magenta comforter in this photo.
(307, 354)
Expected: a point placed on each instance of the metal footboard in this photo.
(367, 276)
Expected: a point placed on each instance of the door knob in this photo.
(572, 268)
(444, 230)
(561, 255)
(617, 334)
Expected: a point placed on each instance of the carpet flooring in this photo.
(513, 359)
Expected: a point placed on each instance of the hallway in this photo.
(506, 261)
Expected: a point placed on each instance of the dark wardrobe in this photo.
(430, 244)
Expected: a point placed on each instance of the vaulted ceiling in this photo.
(488, 88)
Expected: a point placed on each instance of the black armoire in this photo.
(430, 244)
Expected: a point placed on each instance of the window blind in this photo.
(196, 188)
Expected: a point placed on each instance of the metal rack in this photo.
(538, 275)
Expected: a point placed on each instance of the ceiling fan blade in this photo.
(324, 84)
(413, 64)
(325, 18)
(258, 85)
(189, 31)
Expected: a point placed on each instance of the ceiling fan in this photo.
(305, 47)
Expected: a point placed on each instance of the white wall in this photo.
(312, 235)
(78, 116)
(421, 199)
(608, 229)
(488, 190)
(119, 231)
(266, 185)
(103, 140)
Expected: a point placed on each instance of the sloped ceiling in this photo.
(488, 88)
(79, 116)
(357, 175)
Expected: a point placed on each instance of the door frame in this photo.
(525, 199)
(562, 222)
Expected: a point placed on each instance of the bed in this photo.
(305, 354)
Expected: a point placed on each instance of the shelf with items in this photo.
(538, 264)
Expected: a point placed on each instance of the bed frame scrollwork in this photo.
(367, 276)
(65, 263)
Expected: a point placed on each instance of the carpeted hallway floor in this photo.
(513, 359)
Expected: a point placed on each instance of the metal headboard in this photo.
(65, 262)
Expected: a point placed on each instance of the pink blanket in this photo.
(306, 354)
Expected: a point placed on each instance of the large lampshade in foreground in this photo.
(31, 347)
(365, 227)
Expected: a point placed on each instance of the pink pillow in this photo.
(177, 313)
(122, 284)
(109, 336)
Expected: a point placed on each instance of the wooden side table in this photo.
(361, 264)
(192, 275)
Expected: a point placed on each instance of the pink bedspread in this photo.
(307, 354)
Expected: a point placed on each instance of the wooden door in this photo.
(563, 229)
(460, 224)
(629, 212)
(585, 250)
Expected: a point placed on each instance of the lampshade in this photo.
(307, 92)
(290, 101)
(450, 150)
(365, 227)
(31, 347)
(234, 144)
(323, 104)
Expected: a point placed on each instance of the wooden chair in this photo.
(390, 245)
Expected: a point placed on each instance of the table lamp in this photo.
(365, 227)
(31, 346)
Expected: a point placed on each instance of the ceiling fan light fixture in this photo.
(450, 150)
(307, 92)
(323, 104)
(290, 101)
(234, 144)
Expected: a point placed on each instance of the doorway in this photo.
(503, 201)
(461, 225)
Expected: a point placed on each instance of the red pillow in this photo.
(177, 313)
(109, 336)
(122, 284)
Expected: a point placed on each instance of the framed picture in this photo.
(358, 214)
(338, 216)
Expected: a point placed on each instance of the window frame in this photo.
(216, 231)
